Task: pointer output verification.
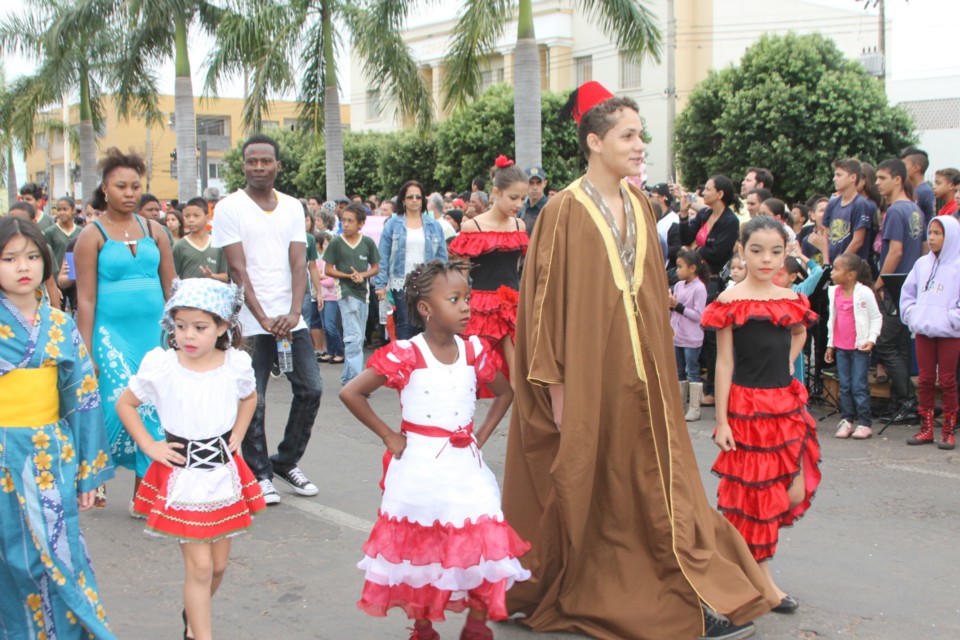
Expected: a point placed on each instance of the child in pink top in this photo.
(330, 313)
(855, 322)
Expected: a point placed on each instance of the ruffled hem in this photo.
(380, 571)
(473, 244)
(783, 313)
(430, 603)
(191, 525)
(493, 314)
(443, 544)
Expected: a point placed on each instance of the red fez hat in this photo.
(582, 99)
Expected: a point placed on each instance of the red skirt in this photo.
(493, 318)
(197, 526)
(776, 438)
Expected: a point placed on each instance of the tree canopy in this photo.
(460, 148)
(793, 105)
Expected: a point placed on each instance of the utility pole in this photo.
(67, 188)
(881, 4)
(671, 85)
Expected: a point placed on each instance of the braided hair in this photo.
(419, 284)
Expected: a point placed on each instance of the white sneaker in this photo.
(844, 429)
(298, 482)
(270, 495)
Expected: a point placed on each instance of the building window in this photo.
(374, 108)
(492, 72)
(267, 125)
(291, 124)
(629, 71)
(584, 66)
(214, 170)
(212, 126)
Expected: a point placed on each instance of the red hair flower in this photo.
(503, 161)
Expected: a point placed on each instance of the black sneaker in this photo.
(297, 481)
(719, 628)
(275, 370)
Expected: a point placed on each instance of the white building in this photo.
(709, 34)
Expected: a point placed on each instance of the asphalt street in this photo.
(874, 559)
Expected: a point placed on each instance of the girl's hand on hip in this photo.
(165, 453)
(396, 443)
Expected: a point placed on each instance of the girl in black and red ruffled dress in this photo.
(494, 242)
(770, 456)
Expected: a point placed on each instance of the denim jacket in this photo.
(393, 248)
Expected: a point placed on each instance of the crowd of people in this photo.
(588, 310)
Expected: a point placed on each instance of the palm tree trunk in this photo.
(526, 90)
(186, 126)
(11, 178)
(332, 129)
(88, 142)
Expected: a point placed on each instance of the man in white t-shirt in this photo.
(261, 232)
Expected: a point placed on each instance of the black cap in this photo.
(661, 189)
(536, 172)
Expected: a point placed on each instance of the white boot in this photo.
(683, 393)
(696, 395)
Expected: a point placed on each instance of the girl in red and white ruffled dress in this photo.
(770, 456)
(494, 242)
(197, 489)
(440, 542)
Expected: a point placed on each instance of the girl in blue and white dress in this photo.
(53, 453)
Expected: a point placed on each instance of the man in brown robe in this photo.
(625, 544)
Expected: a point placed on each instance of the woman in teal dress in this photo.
(53, 454)
(124, 269)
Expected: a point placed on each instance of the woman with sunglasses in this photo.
(409, 238)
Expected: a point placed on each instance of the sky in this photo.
(923, 38)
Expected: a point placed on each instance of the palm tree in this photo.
(628, 22)
(10, 136)
(73, 58)
(156, 31)
(270, 39)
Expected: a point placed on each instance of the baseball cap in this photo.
(536, 172)
(661, 189)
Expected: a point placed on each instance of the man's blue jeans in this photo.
(852, 368)
(307, 390)
(353, 313)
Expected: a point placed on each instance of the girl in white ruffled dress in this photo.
(440, 542)
(197, 488)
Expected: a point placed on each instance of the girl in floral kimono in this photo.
(53, 453)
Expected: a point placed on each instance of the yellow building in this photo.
(219, 124)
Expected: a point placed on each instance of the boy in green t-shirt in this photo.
(194, 256)
(352, 258)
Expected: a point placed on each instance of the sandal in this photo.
(324, 357)
(100, 497)
(337, 360)
(883, 379)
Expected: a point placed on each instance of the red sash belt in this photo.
(459, 439)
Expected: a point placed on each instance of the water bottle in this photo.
(284, 355)
(385, 310)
